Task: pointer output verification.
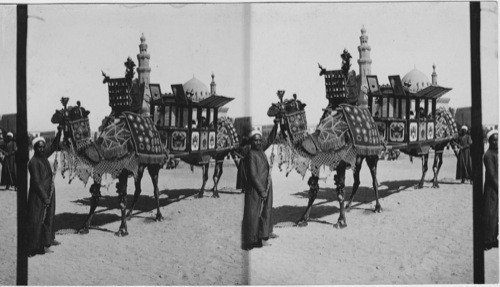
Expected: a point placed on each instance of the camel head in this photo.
(68, 115)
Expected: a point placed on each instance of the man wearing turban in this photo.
(41, 197)
(9, 174)
(258, 188)
(490, 192)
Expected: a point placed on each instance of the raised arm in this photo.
(55, 143)
(272, 136)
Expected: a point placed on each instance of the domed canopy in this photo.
(197, 90)
(417, 79)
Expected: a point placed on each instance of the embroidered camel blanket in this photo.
(363, 130)
(146, 138)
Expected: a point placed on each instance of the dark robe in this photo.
(9, 174)
(464, 162)
(243, 151)
(490, 196)
(258, 188)
(41, 231)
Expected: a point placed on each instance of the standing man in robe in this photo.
(9, 173)
(258, 188)
(41, 197)
(490, 192)
(464, 161)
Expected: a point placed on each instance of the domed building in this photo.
(195, 89)
(198, 91)
(416, 80)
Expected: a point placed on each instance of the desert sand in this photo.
(421, 236)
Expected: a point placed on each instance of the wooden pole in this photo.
(22, 155)
(477, 139)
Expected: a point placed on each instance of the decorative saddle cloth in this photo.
(146, 138)
(81, 132)
(226, 134)
(297, 123)
(363, 129)
(330, 135)
(446, 127)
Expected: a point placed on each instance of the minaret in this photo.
(143, 68)
(365, 68)
(143, 71)
(434, 75)
(212, 86)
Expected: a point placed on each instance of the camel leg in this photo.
(425, 159)
(372, 165)
(153, 172)
(340, 183)
(95, 191)
(438, 161)
(313, 193)
(138, 190)
(217, 174)
(121, 189)
(205, 179)
(359, 164)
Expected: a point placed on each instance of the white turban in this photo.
(465, 128)
(37, 139)
(9, 134)
(490, 133)
(254, 132)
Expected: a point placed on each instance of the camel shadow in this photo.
(364, 195)
(289, 213)
(145, 203)
(75, 221)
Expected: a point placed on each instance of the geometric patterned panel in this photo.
(81, 132)
(195, 141)
(430, 130)
(204, 141)
(297, 122)
(178, 141)
(413, 131)
(211, 140)
(422, 131)
(397, 131)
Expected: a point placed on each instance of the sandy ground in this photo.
(197, 243)
(422, 236)
(8, 236)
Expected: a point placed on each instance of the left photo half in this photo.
(133, 131)
(9, 136)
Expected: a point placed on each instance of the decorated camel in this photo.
(227, 144)
(127, 145)
(344, 137)
(446, 134)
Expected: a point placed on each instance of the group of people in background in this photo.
(490, 191)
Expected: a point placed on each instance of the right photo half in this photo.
(358, 168)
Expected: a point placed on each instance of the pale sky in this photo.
(253, 50)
